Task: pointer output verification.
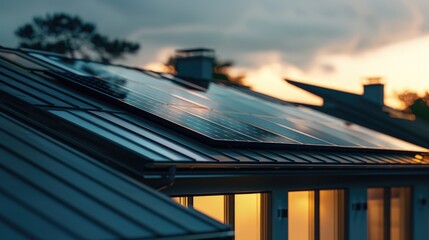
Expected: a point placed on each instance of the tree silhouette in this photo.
(415, 104)
(70, 35)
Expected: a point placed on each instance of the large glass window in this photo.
(331, 214)
(389, 213)
(301, 215)
(247, 213)
(400, 213)
(213, 206)
(247, 216)
(316, 212)
(375, 213)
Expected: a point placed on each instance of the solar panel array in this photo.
(219, 114)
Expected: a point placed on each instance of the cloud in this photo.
(299, 31)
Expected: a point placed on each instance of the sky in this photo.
(331, 43)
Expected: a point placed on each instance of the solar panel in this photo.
(219, 113)
(202, 121)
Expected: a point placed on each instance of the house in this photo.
(266, 169)
(369, 110)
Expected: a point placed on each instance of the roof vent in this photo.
(373, 90)
(195, 63)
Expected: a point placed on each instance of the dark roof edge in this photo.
(96, 146)
(314, 88)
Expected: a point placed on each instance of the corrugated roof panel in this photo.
(74, 196)
(47, 92)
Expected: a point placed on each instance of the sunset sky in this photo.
(331, 43)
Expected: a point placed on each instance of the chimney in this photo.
(195, 63)
(373, 90)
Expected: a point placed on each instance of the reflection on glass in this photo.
(301, 215)
(247, 216)
(181, 200)
(213, 206)
(400, 213)
(331, 214)
(375, 213)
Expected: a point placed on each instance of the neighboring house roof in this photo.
(135, 140)
(354, 108)
(51, 190)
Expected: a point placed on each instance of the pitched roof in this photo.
(354, 108)
(51, 190)
(134, 139)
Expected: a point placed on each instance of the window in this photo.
(247, 213)
(213, 206)
(389, 213)
(318, 212)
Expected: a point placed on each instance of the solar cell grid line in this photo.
(294, 135)
(341, 133)
(237, 104)
(38, 82)
(150, 136)
(363, 134)
(298, 134)
(126, 94)
(159, 95)
(116, 74)
(66, 115)
(189, 143)
(235, 125)
(201, 99)
(386, 140)
(317, 133)
(195, 123)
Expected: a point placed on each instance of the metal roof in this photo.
(147, 143)
(354, 108)
(50, 190)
